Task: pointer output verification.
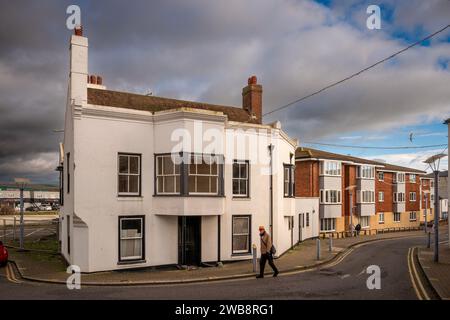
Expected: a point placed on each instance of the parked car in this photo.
(45, 207)
(32, 208)
(3, 255)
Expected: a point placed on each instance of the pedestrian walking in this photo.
(267, 252)
(358, 229)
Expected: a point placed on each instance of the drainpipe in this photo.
(271, 147)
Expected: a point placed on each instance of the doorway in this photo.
(189, 241)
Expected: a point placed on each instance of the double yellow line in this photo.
(10, 274)
(415, 279)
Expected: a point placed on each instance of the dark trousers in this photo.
(262, 263)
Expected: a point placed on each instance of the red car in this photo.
(3, 255)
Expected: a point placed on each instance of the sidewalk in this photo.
(437, 273)
(38, 266)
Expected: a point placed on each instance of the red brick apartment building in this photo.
(379, 194)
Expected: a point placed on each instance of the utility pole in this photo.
(21, 184)
(436, 216)
(434, 162)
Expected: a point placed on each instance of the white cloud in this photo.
(412, 160)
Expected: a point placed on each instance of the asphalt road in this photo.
(345, 280)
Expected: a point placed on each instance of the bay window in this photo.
(330, 168)
(167, 174)
(203, 175)
(366, 172)
(330, 196)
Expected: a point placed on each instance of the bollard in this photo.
(318, 248)
(254, 257)
(330, 243)
(4, 229)
(429, 240)
(14, 229)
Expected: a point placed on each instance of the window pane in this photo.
(243, 186)
(235, 170)
(243, 171)
(168, 165)
(160, 181)
(240, 243)
(123, 164)
(134, 184)
(177, 169)
(235, 186)
(169, 184)
(131, 228)
(134, 165)
(123, 183)
(192, 184)
(214, 184)
(214, 168)
(202, 184)
(131, 248)
(240, 225)
(159, 165)
(203, 168)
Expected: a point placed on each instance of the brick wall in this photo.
(307, 179)
(412, 187)
(387, 187)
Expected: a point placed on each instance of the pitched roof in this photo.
(309, 153)
(442, 174)
(153, 104)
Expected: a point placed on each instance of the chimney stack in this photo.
(252, 98)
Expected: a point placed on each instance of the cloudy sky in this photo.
(205, 50)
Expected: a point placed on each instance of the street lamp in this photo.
(350, 189)
(434, 162)
(21, 183)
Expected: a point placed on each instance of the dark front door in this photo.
(189, 231)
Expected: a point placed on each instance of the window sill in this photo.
(130, 198)
(188, 195)
(241, 198)
(240, 255)
(381, 222)
(126, 262)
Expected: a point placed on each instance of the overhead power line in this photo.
(359, 72)
(369, 147)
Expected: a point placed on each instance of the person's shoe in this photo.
(259, 276)
(275, 274)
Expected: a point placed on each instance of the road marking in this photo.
(415, 279)
(345, 276)
(33, 232)
(10, 274)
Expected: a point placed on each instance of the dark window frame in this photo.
(249, 235)
(130, 261)
(291, 185)
(68, 172)
(129, 195)
(247, 163)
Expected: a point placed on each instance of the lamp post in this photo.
(21, 183)
(427, 233)
(350, 189)
(434, 162)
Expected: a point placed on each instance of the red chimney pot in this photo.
(99, 80)
(79, 31)
(93, 79)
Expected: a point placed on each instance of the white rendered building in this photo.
(151, 181)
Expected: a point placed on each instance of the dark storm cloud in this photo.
(205, 51)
